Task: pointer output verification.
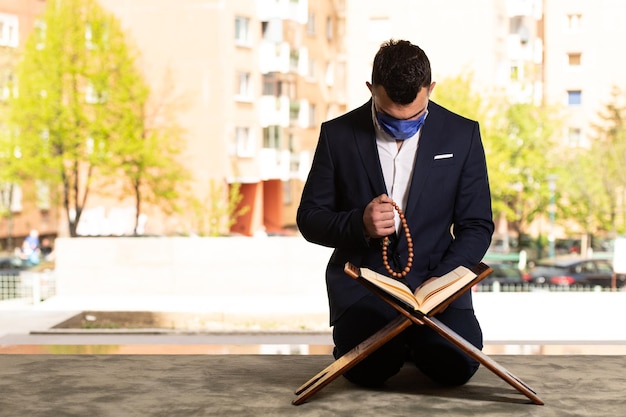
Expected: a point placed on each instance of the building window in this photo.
(574, 137)
(294, 110)
(312, 116)
(8, 86)
(311, 73)
(244, 143)
(10, 197)
(515, 72)
(272, 137)
(574, 59)
(242, 31)
(9, 30)
(574, 97)
(574, 22)
(272, 30)
(43, 195)
(292, 144)
(287, 193)
(244, 91)
(310, 24)
(329, 74)
(329, 28)
(294, 60)
(271, 86)
(40, 34)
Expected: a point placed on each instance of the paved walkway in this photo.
(202, 380)
(506, 318)
(263, 385)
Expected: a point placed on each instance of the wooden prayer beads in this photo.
(409, 241)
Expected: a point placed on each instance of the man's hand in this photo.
(378, 217)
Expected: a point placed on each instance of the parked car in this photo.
(573, 271)
(504, 273)
(11, 263)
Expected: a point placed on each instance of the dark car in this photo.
(504, 273)
(12, 265)
(572, 272)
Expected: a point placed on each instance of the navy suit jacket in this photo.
(448, 209)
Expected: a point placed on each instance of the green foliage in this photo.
(147, 154)
(527, 140)
(585, 199)
(73, 67)
(216, 214)
(82, 116)
(10, 173)
(456, 94)
(519, 142)
(598, 184)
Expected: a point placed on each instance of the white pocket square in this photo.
(444, 156)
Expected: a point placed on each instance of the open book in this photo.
(432, 294)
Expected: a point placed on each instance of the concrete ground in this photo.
(263, 385)
(213, 373)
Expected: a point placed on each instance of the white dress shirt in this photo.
(397, 160)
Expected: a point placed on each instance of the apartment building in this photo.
(584, 58)
(257, 77)
(253, 79)
(458, 36)
(27, 209)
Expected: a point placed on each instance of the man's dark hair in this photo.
(402, 69)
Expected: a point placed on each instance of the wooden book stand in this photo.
(404, 320)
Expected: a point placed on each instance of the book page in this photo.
(391, 286)
(434, 291)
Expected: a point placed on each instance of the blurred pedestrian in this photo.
(31, 251)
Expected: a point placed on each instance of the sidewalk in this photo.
(279, 278)
(506, 318)
(187, 378)
(263, 385)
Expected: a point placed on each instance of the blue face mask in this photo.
(400, 129)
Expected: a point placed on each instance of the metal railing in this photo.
(32, 287)
(528, 287)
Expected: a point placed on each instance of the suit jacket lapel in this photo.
(365, 139)
(426, 151)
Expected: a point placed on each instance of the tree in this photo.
(146, 149)
(528, 140)
(608, 151)
(586, 199)
(521, 159)
(518, 140)
(457, 94)
(81, 111)
(10, 175)
(219, 210)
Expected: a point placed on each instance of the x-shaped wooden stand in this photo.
(404, 320)
(347, 361)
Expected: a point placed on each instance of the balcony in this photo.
(296, 11)
(274, 164)
(274, 111)
(274, 57)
